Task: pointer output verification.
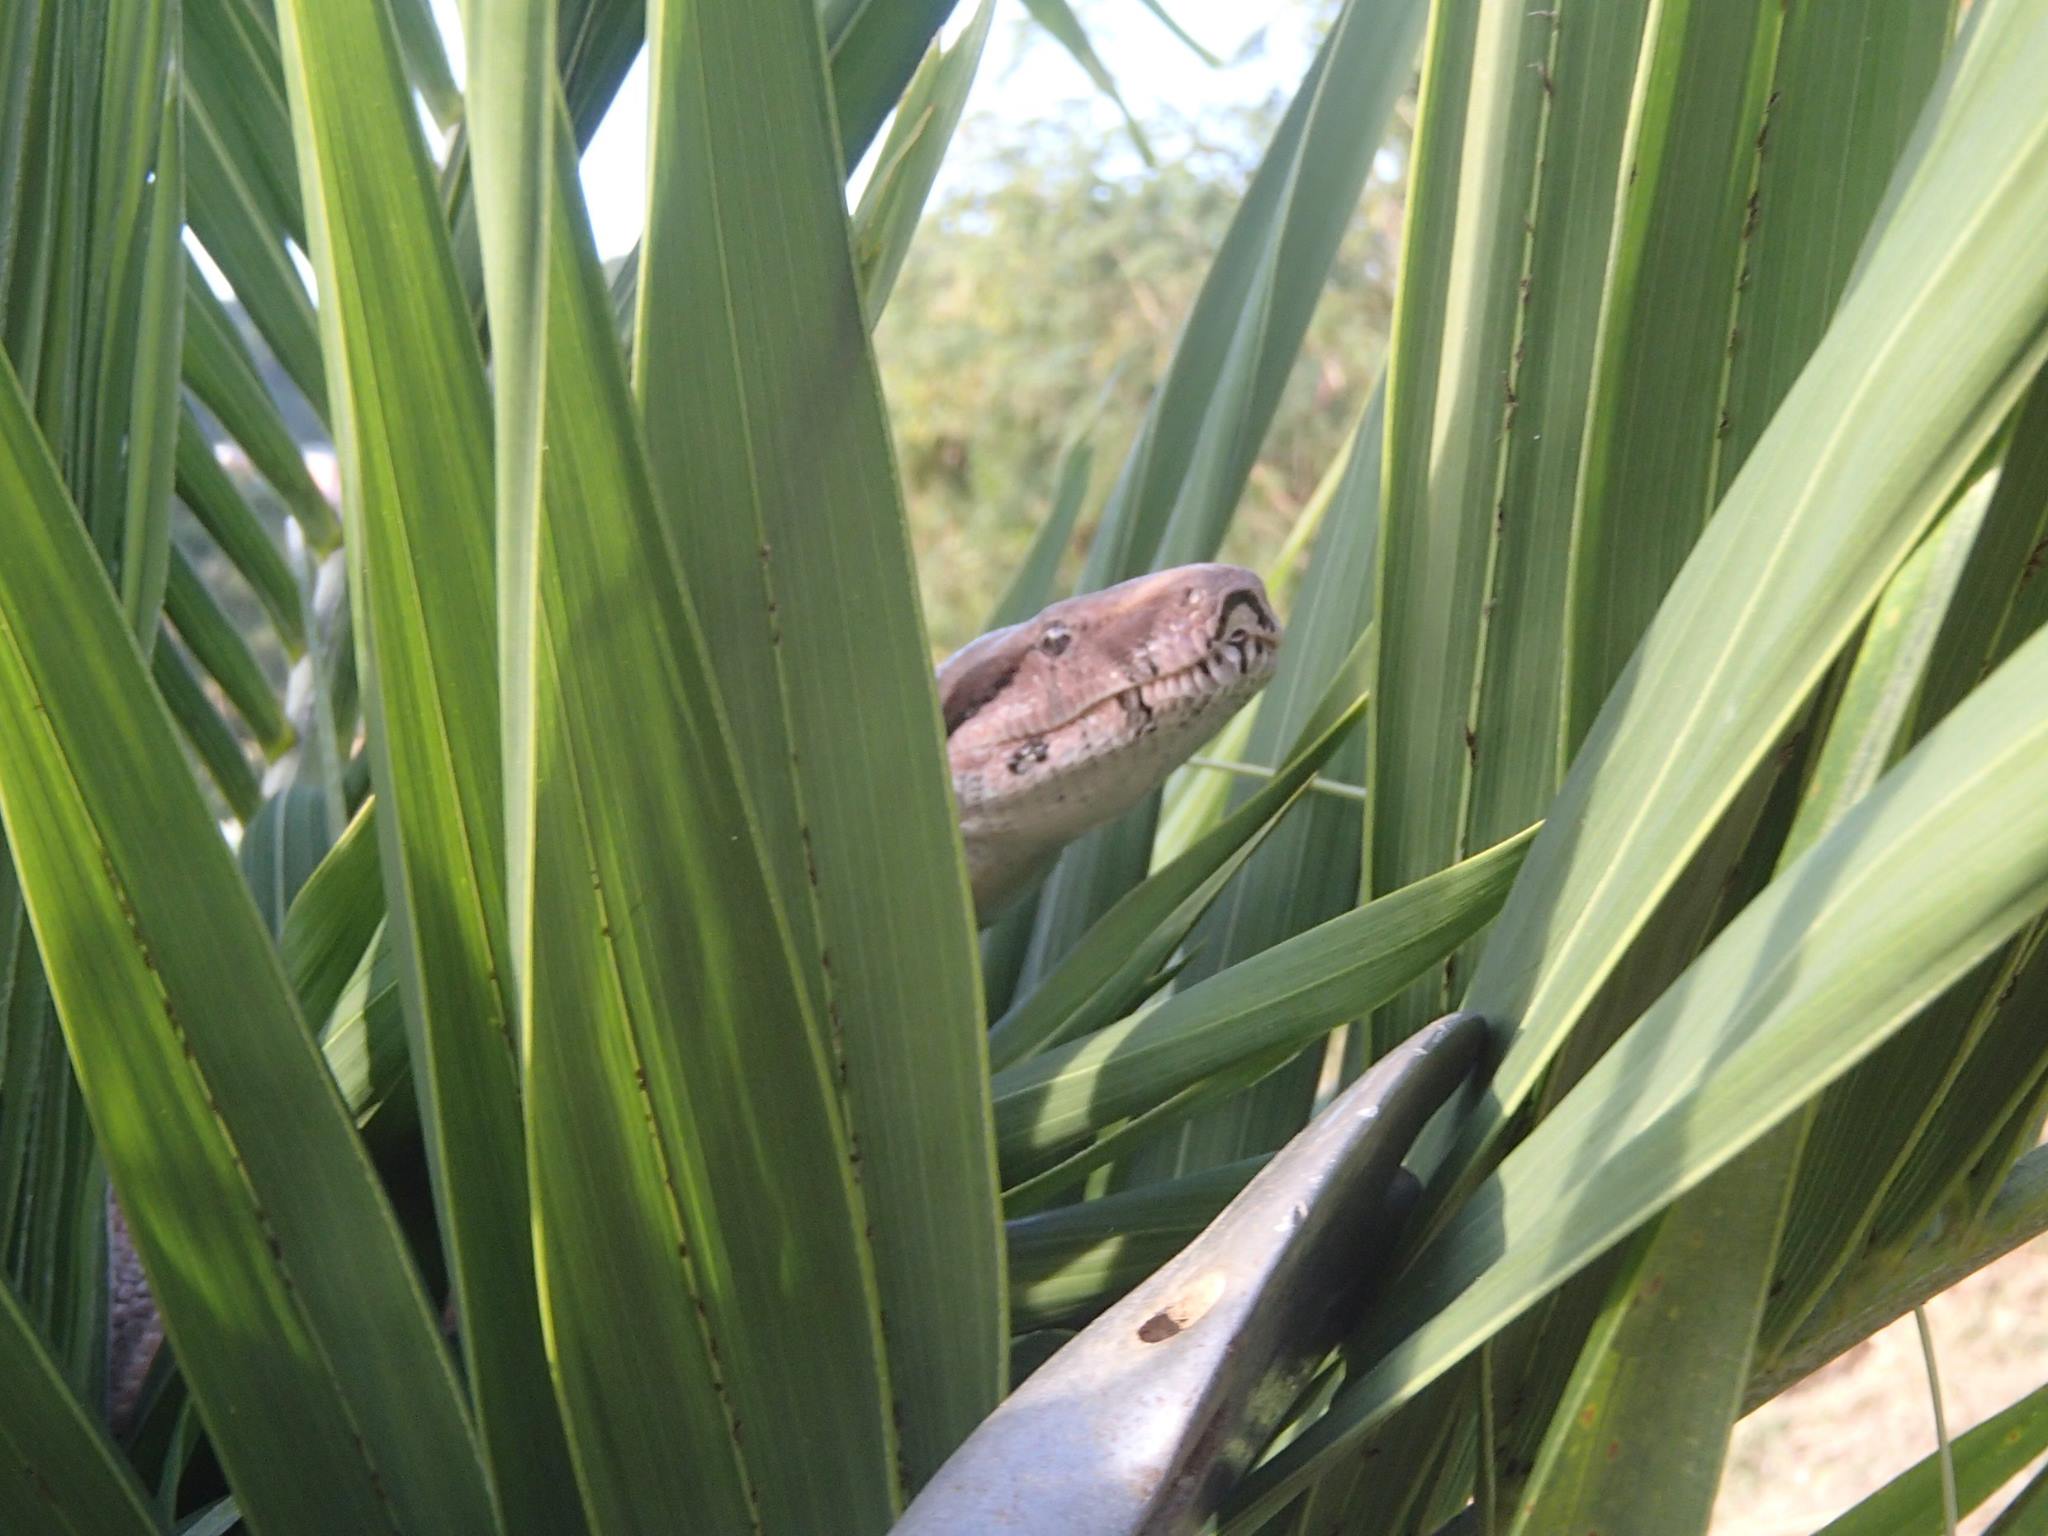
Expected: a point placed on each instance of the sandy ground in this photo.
(1799, 1461)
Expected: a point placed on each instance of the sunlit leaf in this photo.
(248, 1195)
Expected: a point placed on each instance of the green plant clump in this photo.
(599, 955)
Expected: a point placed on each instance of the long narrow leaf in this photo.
(1067, 1264)
(1941, 862)
(365, 1049)
(596, 44)
(1814, 170)
(426, 61)
(333, 917)
(233, 68)
(511, 125)
(1157, 8)
(210, 737)
(875, 47)
(57, 1459)
(1690, 1302)
(1928, 352)
(281, 848)
(1639, 1436)
(1038, 1184)
(1187, 470)
(1285, 997)
(406, 391)
(252, 254)
(2004, 591)
(894, 197)
(1105, 971)
(212, 499)
(285, 1289)
(1058, 18)
(152, 411)
(769, 443)
(2016, 1213)
(1296, 880)
(1986, 1458)
(218, 646)
(1655, 424)
(244, 199)
(695, 1191)
(1517, 164)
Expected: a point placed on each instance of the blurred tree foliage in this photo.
(1057, 265)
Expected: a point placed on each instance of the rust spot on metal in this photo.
(1185, 1310)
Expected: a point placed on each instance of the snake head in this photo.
(1057, 724)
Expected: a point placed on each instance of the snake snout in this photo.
(1246, 637)
(1244, 615)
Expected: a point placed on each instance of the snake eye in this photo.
(1056, 640)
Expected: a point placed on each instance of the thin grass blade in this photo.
(207, 492)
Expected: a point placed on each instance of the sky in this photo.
(1025, 76)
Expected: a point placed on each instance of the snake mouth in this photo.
(1238, 657)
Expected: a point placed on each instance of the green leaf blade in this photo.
(1284, 997)
(1105, 972)
(886, 220)
(407, 394)
(152, 407)
(247, 1193)
(694, 1187)
(1187, 470)
(71, 1472)
(207, 492)
(783, 494)
(1928, 351)
(875, 49)
(1941, 862)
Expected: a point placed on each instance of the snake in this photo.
(1054, 726)
(1061, 723)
